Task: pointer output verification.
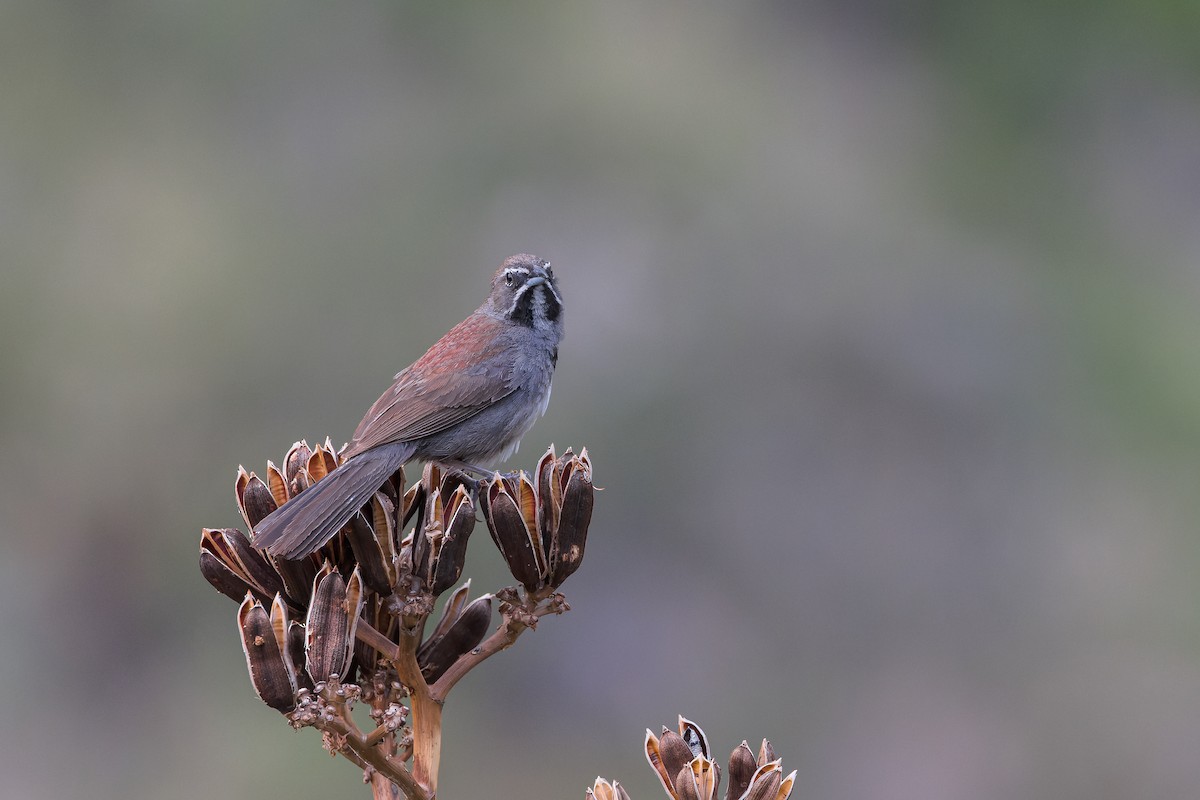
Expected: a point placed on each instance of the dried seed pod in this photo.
(697, 780)
(221, 577)
(451, 610)
(297, 577)
(414, 498)
(675, 752)
(741, 771)
(299, 483)
(768, 783)
(320, 463)
(332, 617)
(766, 753)
(278, 484)
(383, 522)
(264, 641)
(254, 499)
(603, 790)
(463, 635)
(371, 551)
(458, 520)
(230, 548)
(548, 494)
(668, 756)
(296, 458)
(506, 500)
(573, 517)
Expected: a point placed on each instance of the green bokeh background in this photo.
(881, 328)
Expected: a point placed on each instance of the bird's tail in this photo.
(310, 519)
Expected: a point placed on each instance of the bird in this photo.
(466, 402)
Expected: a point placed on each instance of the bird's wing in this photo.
(462, 374)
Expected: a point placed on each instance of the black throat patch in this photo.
(522, 312)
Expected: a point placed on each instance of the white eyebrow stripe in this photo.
(510, 270)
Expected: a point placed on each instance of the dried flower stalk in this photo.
(348, 623)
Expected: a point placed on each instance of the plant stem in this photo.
(427, 737)
(517, 619)
(426, 713)
(382, 788)
(370, 636)
(392, 771)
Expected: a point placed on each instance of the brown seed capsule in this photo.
(463, 635)
(297, 577)
(233, 550)
(603, 790)
(254, 498)
(278, 484)
(372, 551)
(221, 577)
(457, 523)
(271, 671)
(697, 780)
(516, 538)
(675, 752)
(332, 617)
(573, 518)
(296, 458)
(741, 770)
(413, 499)
(320, 463)
(451, 610)
(668, 756)
(768, 783)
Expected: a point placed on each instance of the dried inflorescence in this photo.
(540, 523)
(603, 790)
(687, 772)
(347, 623)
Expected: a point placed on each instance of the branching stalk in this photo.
(395, 772)
(517, 619)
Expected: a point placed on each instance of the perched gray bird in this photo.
(465, 403)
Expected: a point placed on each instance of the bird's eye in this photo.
(508, 279)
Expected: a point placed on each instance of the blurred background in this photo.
(881, 330)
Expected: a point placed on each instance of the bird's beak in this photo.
(536, 280)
